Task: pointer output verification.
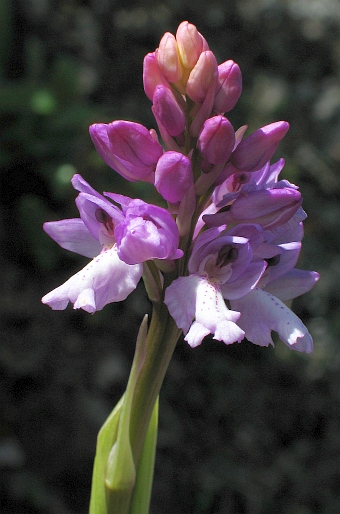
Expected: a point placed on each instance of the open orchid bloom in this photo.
(227, 232)
(220, 267)
(106, 278)
(119, 240)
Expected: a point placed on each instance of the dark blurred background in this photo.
(242, 429)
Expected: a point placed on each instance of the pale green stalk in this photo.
(124, 463)
(160, 344)
(106, 438)
(142, 491)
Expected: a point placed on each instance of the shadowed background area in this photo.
(242, 429)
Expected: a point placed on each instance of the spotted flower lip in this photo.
(261, 312)
(220, 267)
(104, 280)
(262, 309)
(197, 298)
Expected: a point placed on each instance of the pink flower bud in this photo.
(169, 142)
(152, 75)
(216, 140)
(173, 176)
(258, 148)
(190, 44)
(128, 148)
(168, 58)
(167, 110)
(202, 76)
(229, 86)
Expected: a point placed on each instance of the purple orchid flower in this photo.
(262, 310)
(220, 267)
(199, 298)
(254, 197)
(238, 182)
(106, 278)
(268, 207)
(239, 226)
(119, 239)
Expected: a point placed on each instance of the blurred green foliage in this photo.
(242, 429)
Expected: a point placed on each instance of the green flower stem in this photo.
(142, 490)
(124, 463)
(136, 433)
(120, 476)
(106, 439)
(160, 344)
